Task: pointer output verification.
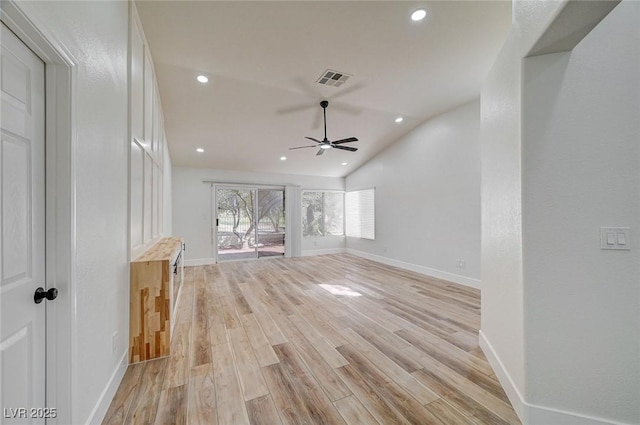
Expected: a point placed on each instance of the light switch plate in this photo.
(617, 235)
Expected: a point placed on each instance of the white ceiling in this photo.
(263, 60)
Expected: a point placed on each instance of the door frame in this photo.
(60, 234)
(214, 214)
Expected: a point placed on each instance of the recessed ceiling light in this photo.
(283, 158)
(399, 119)
(202, 79)
(418, 15)
(199, 150)
(344, 163)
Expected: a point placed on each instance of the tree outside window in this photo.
(322, 213)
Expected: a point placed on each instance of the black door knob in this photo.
(41, 294)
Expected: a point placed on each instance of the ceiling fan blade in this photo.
(293, 109)
(302, 147)
(353, 110)
(320, 152)
(305, 87)
(317, 120)
(348, 90)
(346, 148)
(349, 140)
(315, 140)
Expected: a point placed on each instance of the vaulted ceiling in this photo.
(263, 60)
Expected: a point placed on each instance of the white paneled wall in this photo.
(148, 159)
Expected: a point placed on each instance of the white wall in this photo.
(318, 245)
(167, 197)
(502, 321)
(428, 197)
(581, 171)
(560, 318)
(502, 318)
(95, 34)
(192, 207)
(149, 153)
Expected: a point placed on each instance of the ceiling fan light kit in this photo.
(326, 144)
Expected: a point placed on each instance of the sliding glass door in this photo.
(270, 218)
(249, 223)
(235, 223)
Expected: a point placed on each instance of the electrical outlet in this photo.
(114, 341)
(461, 264)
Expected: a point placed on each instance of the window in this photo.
(361, 216)
(322, 213)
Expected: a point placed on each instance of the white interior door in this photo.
(22, 233)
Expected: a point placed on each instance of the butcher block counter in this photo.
(156, 280)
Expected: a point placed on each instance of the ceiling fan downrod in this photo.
(324, 105)
(326, 144)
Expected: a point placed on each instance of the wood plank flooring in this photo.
(325, 340)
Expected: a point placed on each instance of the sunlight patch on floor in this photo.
(340, 290)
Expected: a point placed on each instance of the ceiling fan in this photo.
(312, 91)
(326, 143)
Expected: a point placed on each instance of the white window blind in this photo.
(360, 210)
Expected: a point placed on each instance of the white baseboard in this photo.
(101, 407)
(326, 251)
(462, 280)
(510, 388)
(199, 262)
(533, 414)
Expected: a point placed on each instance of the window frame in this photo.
(342, 192)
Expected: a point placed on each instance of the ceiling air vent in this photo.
(333, 78)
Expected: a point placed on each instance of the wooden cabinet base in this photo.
(151, 300)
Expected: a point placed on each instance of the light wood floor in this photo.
(317, 340)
